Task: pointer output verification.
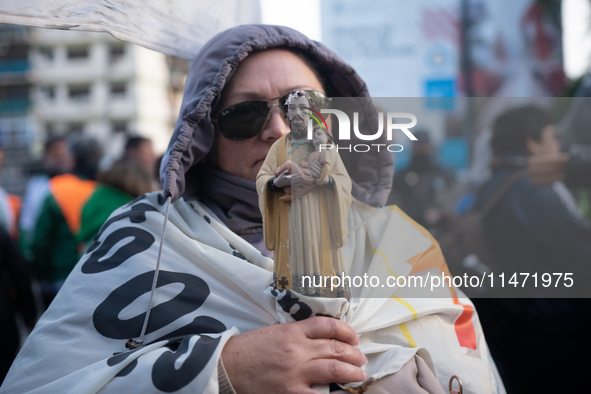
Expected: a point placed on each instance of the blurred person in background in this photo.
(141, 150)
(57, 157)
(577, 139)
(577, 176)
(15, 285)
(15, 297)
(535, 227)
(156, 173)
(10, 207)
(57, 160)
(416, 188)
(117, 186)
(54, 247)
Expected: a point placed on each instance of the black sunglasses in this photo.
(245, 120)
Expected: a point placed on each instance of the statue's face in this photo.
(319, 137)
(298, 115)
(262, 75)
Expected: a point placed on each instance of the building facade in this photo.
(18, 129)
(92, 84)
(74, 83)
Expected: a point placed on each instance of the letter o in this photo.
(395, 151)
(371, 281)
(360, 281)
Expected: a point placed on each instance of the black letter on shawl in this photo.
(142, 240)
(289, 300)
(199, 325)
(137, 214)
(120, 357)
(167, 378)
(106, 315)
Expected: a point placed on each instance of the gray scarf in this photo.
(235, 201)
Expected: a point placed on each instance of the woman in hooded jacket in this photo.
(174, 293)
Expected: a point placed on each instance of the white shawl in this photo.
(214, 285)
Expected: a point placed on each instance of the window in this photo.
(48, 91)
(46, 53)
(14, 92)
(118, 89)
(79, 93)
(13, 57)
(78, 53)
(14, 98)
(116, 53)
(15, 133)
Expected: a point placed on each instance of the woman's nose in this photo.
(276, 125)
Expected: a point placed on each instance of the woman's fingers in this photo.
(329, 328)
(334, 371)
(334, 349)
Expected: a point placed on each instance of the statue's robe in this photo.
(306, 232)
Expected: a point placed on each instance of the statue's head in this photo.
(321, 136)
(299, 104)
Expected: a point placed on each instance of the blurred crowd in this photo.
(43, 235)
(531, 214)
(533, 223)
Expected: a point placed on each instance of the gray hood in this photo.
(215, 64)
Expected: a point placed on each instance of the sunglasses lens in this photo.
(243, 121)
(320, 99)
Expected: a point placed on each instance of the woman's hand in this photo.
(289, 358)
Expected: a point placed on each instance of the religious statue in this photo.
(304, 195)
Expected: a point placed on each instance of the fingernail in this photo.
(365, 375)
(358, 339)
(364, 359)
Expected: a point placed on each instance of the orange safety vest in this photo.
(71, 194)
(15, 203)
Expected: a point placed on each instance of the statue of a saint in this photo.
(304, 195)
